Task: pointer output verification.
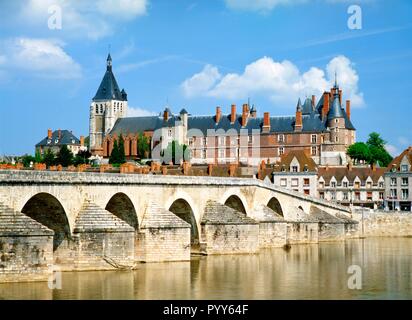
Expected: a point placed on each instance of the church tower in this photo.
(107, 106)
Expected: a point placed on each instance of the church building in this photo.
(322, 130)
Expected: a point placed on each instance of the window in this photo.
(283, 182)
(190, 142)
(357, 196)
(306, 182)
(169, 133)
(56, 141)
(333, 184)
(281, 150)
(381, 185)
(97, 109)
(345, 196)
(393, 193)
(295, 182)
(250, 139)
(101, 108)
(204, 141)
(221, 153)
(314, 151)
(321, 185)
(336, 139)
(281, 138)
(404, 181)
(404, 168)
(369, 185)
(357, 185)
(48, 141)
(393, 181)
(314, 138)
(221, 141)
(405, 194)
(369, 196)
(306, 191)
(380, 195)
(321, 195)
(345, 184)
(294, 168)
(203, 154)
(333, 195)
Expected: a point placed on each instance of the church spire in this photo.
(109, 62)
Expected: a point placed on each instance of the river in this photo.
(303, 272)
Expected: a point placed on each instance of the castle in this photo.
(323, 130)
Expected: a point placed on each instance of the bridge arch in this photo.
(122, 207)
(181, 208)
(47, 210)
(275, 205)
(236, 203)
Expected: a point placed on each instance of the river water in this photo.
(303, 272)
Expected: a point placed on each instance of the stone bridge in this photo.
(169, 216)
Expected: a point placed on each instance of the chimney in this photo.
(325, 109)
(266, 122)
(348, 108)
(166, 115)
(340, 96)
(298, 121)
(82, 141)
(313, 101)
(233, 114)
(245, 112)
(218, 114)
(49, 133)
(60, 134)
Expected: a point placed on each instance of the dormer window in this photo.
(404, 168)
(48, 141)
(294, 168)
(73, 142)
(56, 141)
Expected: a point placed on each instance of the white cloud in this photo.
(201, 82)
(43, 57)
(282, 82)
(392, 150)
(93, 18)
(139, 112)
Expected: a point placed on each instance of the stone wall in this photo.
(26, 248)
(384, 223)
(272, 234)
(227, 231)
(162, 236)
(331, 232)
(302, 232)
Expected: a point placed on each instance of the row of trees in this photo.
(64, 158)
(372, 152)
(118, 156)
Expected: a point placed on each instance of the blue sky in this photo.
(198, 54)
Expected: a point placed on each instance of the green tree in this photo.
(176, 153)
(122, 155)
(143, 146)
(359, 151)
(114, 155)
(49, 158)
(27, 159)
(37, 156)
(377, 149)
(82, 157)
(64, 157)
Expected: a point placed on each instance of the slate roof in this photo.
(66, 138)
(336, 110)
(307, 106)
(109, 89)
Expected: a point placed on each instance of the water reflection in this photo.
(303, 272)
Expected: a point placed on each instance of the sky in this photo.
(199, 54)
